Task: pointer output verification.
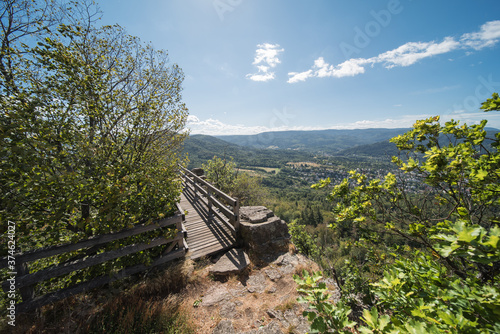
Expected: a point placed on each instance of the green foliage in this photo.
(89, 129)
(304, 242)
(492, 104)
(248, 190)
(472, 243)
(427, 291)
(446, 281)
(224, 175)
(221, 173)
(324, 317)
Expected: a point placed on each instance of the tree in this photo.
(248, 190)
(224, 175)
(447, 281)
(221, 173)
(89, 128)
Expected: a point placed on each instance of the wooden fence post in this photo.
(178, 226)
(27, 292)
(209, 199)
(236, 210)
(26, 281)
(195, 182)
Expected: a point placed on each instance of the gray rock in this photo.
(249, 313)
(272, 328)
(198, 171)
(228, 310)
(256, 283)
(272, 289)
(233, 262)
(273, 274)
(215, 295)
(224, 327)
(240, 291)
(255, 214)
(290, 319)
(263, 233)
(275, 314)
(288, 259)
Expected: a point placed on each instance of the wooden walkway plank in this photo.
(206, 234)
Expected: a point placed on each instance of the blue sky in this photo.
(259, 65)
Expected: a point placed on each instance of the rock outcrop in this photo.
(198, 171)
(233, 262)
(264, 302)
(265, 235)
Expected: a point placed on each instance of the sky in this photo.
(252, 66)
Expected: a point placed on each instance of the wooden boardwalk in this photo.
(206, 234)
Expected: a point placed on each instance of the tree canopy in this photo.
(445, 278)
(90, 124)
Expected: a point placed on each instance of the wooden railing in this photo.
(26, 282)
(228, 207)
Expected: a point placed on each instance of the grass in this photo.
(135, 315)
(288, 305)
(149, 305)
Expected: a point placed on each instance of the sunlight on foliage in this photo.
(445, 280)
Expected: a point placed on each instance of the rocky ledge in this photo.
(263, 234)
(261, 300)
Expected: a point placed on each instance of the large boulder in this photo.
(234, 261)
(198, 171)
(265, 235)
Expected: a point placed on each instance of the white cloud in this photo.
(409, 53)
(266, 57)
(215, 127)
(267, 54)
(192, 119)
(404, 55)
(321, 69)
(299, 76)
(261, 77)
(488, 36)
(349, 68)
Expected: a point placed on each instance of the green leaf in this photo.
(481, 174)
(468, 234)
(371, 317)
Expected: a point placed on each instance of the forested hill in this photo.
(272, 149)
(360, 142)
(201, 148)
(326, 141)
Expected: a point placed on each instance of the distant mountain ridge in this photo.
(274, 148)
(201, 148)
(325, 141)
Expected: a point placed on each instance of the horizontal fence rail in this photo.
(26, 282)
(228, 207)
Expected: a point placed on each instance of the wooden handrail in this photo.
(208, 190)
(26, 281)
(91, 242)
(67, 268)
(231, 201)
(96, 282)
